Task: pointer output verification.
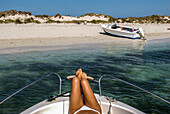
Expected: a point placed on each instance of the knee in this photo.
(75, 80)
(84, 81)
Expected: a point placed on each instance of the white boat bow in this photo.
(60, 105)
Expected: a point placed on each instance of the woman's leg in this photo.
(76, 101)
(89, 98)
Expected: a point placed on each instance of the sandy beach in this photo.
(42, 37)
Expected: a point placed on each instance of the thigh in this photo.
(89, 98)
(76, 101)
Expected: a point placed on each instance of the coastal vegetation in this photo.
(9, 21)
(22, 17)
(31, 20)
(52, 21)
(96, 15)
(13, 13)
(18, 21)
(42, 16)
(147, 19)
(58, 15)
(97, 21)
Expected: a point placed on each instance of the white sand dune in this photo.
(23, 17)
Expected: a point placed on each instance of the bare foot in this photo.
(84, 75)
(79, 73)
(70, 77)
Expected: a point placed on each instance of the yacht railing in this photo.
(97, 81)
(6, 98)
(147, 91)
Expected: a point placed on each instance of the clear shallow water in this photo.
(145, 65)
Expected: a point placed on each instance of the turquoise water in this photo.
(146, 65)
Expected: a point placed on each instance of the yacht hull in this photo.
(120, 33)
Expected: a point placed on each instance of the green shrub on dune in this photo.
(9, 21)
(36, 21)
(29, 20)
(97, 21)
(2, 15)
(42, 16)
(17, 21)
(74, 21)
(1, 21)
(58, 15)
(52, 21)
(168, 21)
(111, 20)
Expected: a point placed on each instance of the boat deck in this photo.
(60, 105)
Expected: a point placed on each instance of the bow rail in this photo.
(6, 98)
(97, 81)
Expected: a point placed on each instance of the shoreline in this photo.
(47, 44)
(17, 47)
(28, 38)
